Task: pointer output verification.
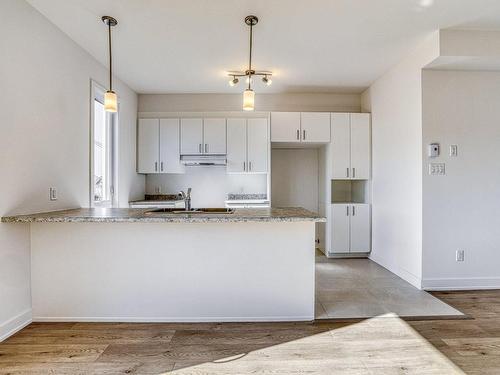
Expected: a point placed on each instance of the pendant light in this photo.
(249, 94)
(110, 99)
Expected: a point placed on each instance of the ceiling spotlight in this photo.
(267, 80)
(233, 82)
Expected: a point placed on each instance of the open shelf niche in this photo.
(350, 191)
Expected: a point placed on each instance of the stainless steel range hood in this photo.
(204, 160)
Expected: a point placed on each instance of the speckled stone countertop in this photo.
(133, 215)
(242, 196)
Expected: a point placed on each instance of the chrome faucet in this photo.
(187, 199)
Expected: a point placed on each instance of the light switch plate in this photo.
(437, 169)
(53, 194)
(454, 150)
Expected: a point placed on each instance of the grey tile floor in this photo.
(360, 288)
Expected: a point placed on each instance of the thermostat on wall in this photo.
(434, 150)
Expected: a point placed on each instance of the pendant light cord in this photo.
(250, 57)
(110, 59)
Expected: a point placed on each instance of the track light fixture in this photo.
(249, 94)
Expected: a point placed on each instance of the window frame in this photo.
(97, 93)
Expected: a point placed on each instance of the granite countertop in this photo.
(245, 197)
(133, 215)
(157, 198)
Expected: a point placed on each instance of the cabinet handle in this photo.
(353, 211)
(244, 166)
(161, 166)
(156, 166)
(249, 165)
(304, 135)
(347, 211)
(353, 172)
(206, 148)
(298, 134)
(347, 172)
(199, 148)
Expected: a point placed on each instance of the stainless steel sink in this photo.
(193, 211)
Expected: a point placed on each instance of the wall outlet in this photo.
(317, 241)
(437, 169)
(460, 255)
(454, 150)
(53, 194)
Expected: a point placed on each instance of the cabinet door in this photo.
(360, 146)
(258, 145)
(315, 127)
(191, 136)
(340, 228)
(148, 146)
(360, 228)
(214, 135)
(170, 146)
(341, 155)
(236, 145)
(285, 127)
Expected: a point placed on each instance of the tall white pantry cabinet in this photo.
(345, 186)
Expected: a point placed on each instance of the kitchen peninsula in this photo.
(137, 265)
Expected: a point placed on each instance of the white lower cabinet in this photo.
(351, 228)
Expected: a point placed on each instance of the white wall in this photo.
(44, 139)
(461, 209)
(210, 184)
(395, 101)
(294, 181)
(156, 103)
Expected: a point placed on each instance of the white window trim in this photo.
(95, 90)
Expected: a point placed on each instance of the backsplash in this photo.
(210, 185)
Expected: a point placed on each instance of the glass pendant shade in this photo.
(110, 102)
(248, 100)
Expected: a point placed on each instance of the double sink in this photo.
(192, 211)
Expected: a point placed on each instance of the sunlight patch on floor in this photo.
(381, 345)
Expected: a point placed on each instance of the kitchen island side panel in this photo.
(173, 272)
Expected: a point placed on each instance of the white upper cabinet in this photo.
(214, 136)
(296, 127)
(192, 136)
(170, 146)
(247, 145)
(285, 127)
(257, 145)
(148, 146)
(360, 146)
(351, 146)
(315, 127)
(236, 145)
(341, 146)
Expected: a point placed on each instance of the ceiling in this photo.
(186, 46)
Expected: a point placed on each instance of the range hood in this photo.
(202, 160)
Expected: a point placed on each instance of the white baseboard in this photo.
(468, 283)
(108, 319)
(15, 324)
(402, 273)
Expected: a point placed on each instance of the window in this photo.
(103, 152)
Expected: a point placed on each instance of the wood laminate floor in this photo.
(381, 345)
